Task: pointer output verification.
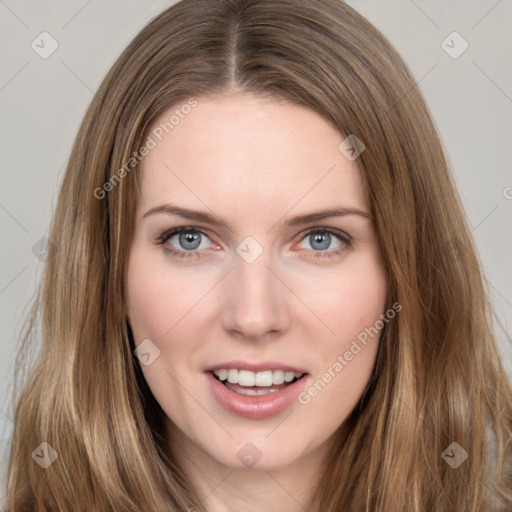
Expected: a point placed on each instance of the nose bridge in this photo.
(254, 300)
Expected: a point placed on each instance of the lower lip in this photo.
(255, 407)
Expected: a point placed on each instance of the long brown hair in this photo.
(438, 379)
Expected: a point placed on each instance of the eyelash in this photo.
(342, 237)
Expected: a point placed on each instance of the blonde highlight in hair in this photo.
(438, 378)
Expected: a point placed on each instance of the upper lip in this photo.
(255, 367)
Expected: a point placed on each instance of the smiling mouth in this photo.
(256, 390)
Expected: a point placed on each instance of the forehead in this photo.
(251, 154)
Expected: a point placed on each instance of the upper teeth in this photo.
(248, 378)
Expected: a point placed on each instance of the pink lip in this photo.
(255, 407)
(255, 367)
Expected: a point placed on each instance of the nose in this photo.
(255, 301)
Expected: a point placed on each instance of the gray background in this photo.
(42, 102)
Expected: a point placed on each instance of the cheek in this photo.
(350, 300)
(168, 306)
(153, 304)
(363, 301)
(351, 306)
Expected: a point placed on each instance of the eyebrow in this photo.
(205, 217)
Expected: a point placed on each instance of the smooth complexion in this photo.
(255, 163)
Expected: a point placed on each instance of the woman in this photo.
(200, 350)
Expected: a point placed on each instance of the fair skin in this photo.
(256, 163)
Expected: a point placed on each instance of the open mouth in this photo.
(256, 390)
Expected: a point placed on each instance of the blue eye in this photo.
(190, 239)
(321, 238)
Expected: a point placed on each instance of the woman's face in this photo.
(250, 286)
